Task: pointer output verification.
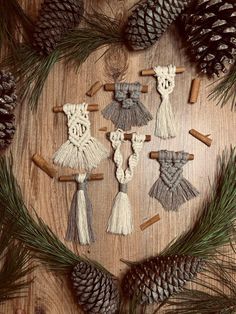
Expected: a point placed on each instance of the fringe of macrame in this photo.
(79, 227)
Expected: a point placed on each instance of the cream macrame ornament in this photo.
(81, 150)
(120, 221)
(172, 189)
(80, 218)
(165, 121)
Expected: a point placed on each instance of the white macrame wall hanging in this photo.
(165, 121)
(81, 150)
(79, 227)
(120, 221)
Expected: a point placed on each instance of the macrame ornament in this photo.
(120, 221)
(80, 218)
(165, 122)
(81, 150)
(126, 110)
(172, 189)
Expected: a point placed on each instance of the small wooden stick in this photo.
(154, 155)
(128, 137)
(203, 138)
(44, 165)
(195, 88)
(111, 87)
(149, 72)
(150, 222)
(94, 89)
(92, 177)
(91, 108)
(104, 129)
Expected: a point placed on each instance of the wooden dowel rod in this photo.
(91, 108)
(203, 138)
(149, 72)
(92, 177)
(154, 155)
(44, 165)
(128, 137)
(111, 87)
(150, 222)
(94, 89)
(195, 88)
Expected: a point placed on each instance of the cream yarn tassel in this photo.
(81, 150)
(80, 218)
(165, 122)
(120, 221)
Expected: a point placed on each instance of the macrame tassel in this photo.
(120, 221)
(172, 189)
(127, 110)
(81, 151)
(165, 121)
(80, 218)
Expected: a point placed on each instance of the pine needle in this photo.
(31, 71)
(225, 91)
(214, 225)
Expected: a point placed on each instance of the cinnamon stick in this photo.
(92, 177)
(91, 108)
(150, 222)
(149, 72)
(195, 88)
(94, 89)
(154, 155)
(203, 138)
(111, 87)
(128, 137)
(44, 165)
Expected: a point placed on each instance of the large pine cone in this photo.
(7, 105)
(156, 279)
(56, 19)
(96, 290)
(211, 34)
(149, 21)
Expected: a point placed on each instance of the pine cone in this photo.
(156, 279)
(97, 291)
(7, 105)
(56, 19)
(211, 34)
(149, 21)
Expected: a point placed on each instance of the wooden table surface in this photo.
(43, 132)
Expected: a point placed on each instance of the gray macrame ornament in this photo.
(80, 217)
(172, 189)
(127, 110)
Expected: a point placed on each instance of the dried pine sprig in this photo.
(225, 91)
(13, 22)
(213, 227)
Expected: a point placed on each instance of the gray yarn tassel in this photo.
(172, 189)
(80, 217)
(127, 110)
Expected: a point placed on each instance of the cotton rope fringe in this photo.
(120, 221)
(80, 217)
(165, 121)
(172, 189)
(126, 110)
(81, 150)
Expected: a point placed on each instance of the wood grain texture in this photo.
(44, 132)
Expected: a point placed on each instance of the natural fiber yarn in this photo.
(80, 218)
(172, 189)
(126, 110)
(81, 150)
(120, 221)
(165, 122)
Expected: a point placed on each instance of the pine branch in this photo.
(225, 91)
(214, 225)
